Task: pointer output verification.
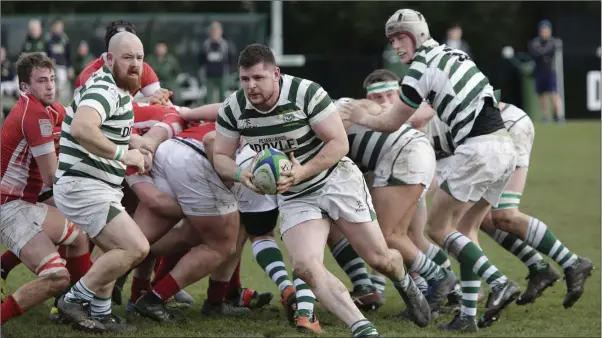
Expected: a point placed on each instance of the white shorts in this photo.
(87, 202)
(248, 200)
(410, 161)
(479, 168)
(20, 221)
(522, 133)
(181, 170)
(344, 195)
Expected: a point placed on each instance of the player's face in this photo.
(41, 85)
(545, 32)
(127, 68)
(403, 46)
(260, 83)
(390, 97)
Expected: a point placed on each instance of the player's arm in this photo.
(422, 116)
(208, 144)
(328, 126)
(206, 112)
(38, 132)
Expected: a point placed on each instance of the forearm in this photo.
(206, 112)
(387, 122)
(225, 166)
(332, 152)
(154, 137)
(95, 142)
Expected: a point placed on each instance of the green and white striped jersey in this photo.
(451, 83)
(114, 106)
(440, 135)
(286, 127)
(367, 147)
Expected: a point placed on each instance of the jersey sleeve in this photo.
(149, 80)
(413, 86)
(173, 123)
(38, 130)
(226, 123)
(104, 99)
(318, 104)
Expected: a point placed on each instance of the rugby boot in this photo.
(416, 304)
(367, 298)
(77, 314)
(498, 299)
(152, 307)
(251, 299)
(289, 301)
(116, 324)
(461, 323)
(575, 276)
(309, 324)
(540, 278)
(224, 308)
(439, 289)
(181, 300)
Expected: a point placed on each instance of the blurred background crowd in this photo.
(544, 56)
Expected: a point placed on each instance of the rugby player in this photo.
(259, 216)
(93, 156)
(403, 164)
(298, 117)
(31, 229)
(474, 177)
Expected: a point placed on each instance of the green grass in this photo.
(563, 190)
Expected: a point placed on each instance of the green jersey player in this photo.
(298, 117)
(474, 177)
(93, 157)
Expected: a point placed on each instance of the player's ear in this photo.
(24, 87)
(276, 74)
(110, 59)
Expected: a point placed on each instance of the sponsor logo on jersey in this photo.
(278, 142)
(46, 127)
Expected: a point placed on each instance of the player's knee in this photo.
(306, 270)
(138, 251)
(81, 241)
(52, 268)
(505, 219)
(69, 235)
(437, 234)
(379, 259)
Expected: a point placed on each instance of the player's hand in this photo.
(246, 178)
(292, 177)
(133, 157)
(161, 96)
(148, 159)
(355, 111)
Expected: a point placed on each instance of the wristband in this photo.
(118, 154)
(237, 174)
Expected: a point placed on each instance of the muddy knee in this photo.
(505, 220)
(138, 251)
(58, 280)
(308, 271)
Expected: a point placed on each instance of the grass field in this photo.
(563, 190)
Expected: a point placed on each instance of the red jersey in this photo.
(198, 132)
(149, 81)
(147, 116)
(27, 132)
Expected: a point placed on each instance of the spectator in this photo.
(58, 48)
(542, 49)
(454, 39)
(8, 83)
(217, 54)
(82, 58)
(34, 41)
(165, 65)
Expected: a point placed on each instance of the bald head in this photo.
(124, 58)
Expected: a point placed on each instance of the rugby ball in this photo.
(266, 168)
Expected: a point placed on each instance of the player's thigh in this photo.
(152, 226)
(395, 206)
(512, 193)
(121, 232)
(60, 230)
(88, 203)
(305, 243)
(335, 235)
(20, 221)
(39, 254)
(217, 232)
(481, 163)
(366, 238)
(444, 215)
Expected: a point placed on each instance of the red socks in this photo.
(167, 264)
(78, 266)
(139, 285)
(166, 287)
(216, 293)
(9, 309)
(8, 261)
(235, 284)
